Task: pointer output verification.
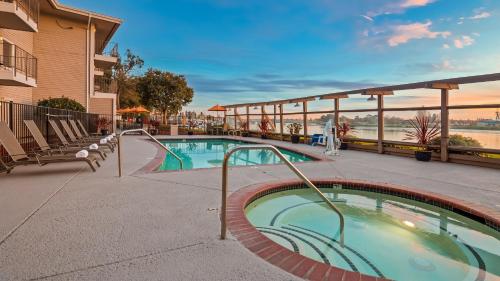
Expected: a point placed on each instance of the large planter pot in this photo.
(344, 146)
(264, 137)
(295, 138)
(153, 132)
(424, 156)
(190, 133)
(104, 132)
(245, 134)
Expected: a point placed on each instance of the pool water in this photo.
(385, 236)
(209, 153)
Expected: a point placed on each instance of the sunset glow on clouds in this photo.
(244, 51)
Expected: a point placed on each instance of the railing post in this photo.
(281, 121)
(380, 109)
(11, 116)
(15, 60)
(274, 116)
(445, 131)
(304, 108)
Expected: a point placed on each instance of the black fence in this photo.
(14, 115)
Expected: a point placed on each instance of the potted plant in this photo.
(424, 129)
(294, 130)
(264, 128)
(191, 125)
(343, 130)
(102, 125)
(154, 127)
(244, 129)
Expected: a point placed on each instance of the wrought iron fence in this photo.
(14, 115)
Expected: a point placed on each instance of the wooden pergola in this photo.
(445, 86)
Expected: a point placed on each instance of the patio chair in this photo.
(47, 149)
(80, 136)
(86, 134)
(21, 158)
(66, 143)
(74, 139)
(230, 132)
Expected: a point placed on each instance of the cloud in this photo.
(415, 3)
(463, 42)
(266, 83)
(426, 68)
(367, 17)
(401, 34)
(446, 46)
(480, 15)
(398, 7)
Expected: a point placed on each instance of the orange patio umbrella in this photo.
(217, 108)
(138, 109)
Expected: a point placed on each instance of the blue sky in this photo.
(242, 51)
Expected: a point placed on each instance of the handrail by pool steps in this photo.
(151, 137)
(290, 165)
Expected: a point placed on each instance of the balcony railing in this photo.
(106, 48)
(17, 59)
(30, 7)
(104, 85)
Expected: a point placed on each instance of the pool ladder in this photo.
(151, 137)
(291, 166)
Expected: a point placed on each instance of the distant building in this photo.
(51, 50)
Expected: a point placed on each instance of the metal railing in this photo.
(151, 137)
(290, 165)
(105, 85)
(106, 48)
(12, 56)
(30, 7)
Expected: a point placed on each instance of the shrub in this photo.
(62, 103)
(459, 140)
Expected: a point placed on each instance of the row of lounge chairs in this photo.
(81, 147)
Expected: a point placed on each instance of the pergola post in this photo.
(445, 115)
(225, 119)
(445, 124)
(248, 119)
(274, 116)
(336, 116)
(281, 121)
(304, 107)
(236, 118)
(380, 112)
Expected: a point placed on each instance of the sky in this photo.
(249, 51)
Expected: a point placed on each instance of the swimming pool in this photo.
(209, 153)
(386, 236)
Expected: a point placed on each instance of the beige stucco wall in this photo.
(24, 40)
(60, 46)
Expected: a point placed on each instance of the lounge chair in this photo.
(95, 135)
(86, 137)
(45, 148)
(74, 139)
(66, 143)
(20, 157)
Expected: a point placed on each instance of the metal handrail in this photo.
(290, 165)
(151, 137)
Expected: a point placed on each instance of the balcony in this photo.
(105, 85)
(20, 14)
(17, 67)
(98, 71)
(105, 58)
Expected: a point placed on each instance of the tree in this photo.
(126, 93)
(62, 103)
(164, 91)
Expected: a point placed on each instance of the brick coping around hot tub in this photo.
(306, 268)
(153, 165)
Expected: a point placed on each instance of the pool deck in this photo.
(63, 222)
